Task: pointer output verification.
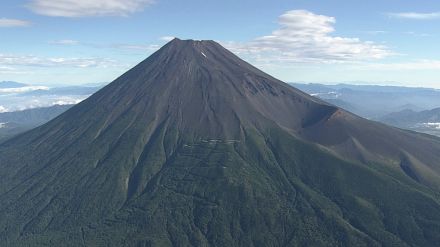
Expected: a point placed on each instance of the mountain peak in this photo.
(194, 48)
(208, 91)
(191, 41)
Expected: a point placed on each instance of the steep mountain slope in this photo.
(194, 146)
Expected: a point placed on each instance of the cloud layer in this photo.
(3, 109)
(423, 64)
(64, 42)
(4, 22)
(415, 15)
(28, 60)
(84, 8)
(22, 89)
(29, 96)
(304, 36)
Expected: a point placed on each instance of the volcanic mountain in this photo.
(195, 147)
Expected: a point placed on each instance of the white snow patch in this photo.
(203, 54)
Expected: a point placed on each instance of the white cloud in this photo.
(139, 47)
(4, 22)
(415, 15)
(404, 66)
(417, 34)
(22, 89)
(68, 101)
(306, 37)
(167, 38)
(30, 60)
(6, 69)
(65, 42)
(376, 32)
(19, 102)
(84, 8)
(38, 102)
(432, 125)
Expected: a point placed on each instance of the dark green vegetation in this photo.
(17, 122)
(195, 147)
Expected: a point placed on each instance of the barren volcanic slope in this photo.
(195, 147)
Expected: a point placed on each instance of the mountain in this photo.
(422, 121)
(196, 147)
(13, 123)
(372, 101)
(11, 84)
(35, 116)
(410, 117)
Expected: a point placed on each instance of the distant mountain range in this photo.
(13, 123)
(11, 84)
(404, 107)
(374, 102)
(24, 106)
(422, 121)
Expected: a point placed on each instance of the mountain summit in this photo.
(196, 147)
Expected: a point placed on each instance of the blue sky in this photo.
(393, 42)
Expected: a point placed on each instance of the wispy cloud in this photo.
(23, 102)
(375, 32)
(5, 22)
(84, 8)
(22, 89)
(415, 15)
(8, 70)
(167, 38)
(120, 46)
(304, 36)
(65, 42)
(29, 60)
(139, 47)
(417, 34)
(423, 64)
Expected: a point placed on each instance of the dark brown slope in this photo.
(194, 146)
